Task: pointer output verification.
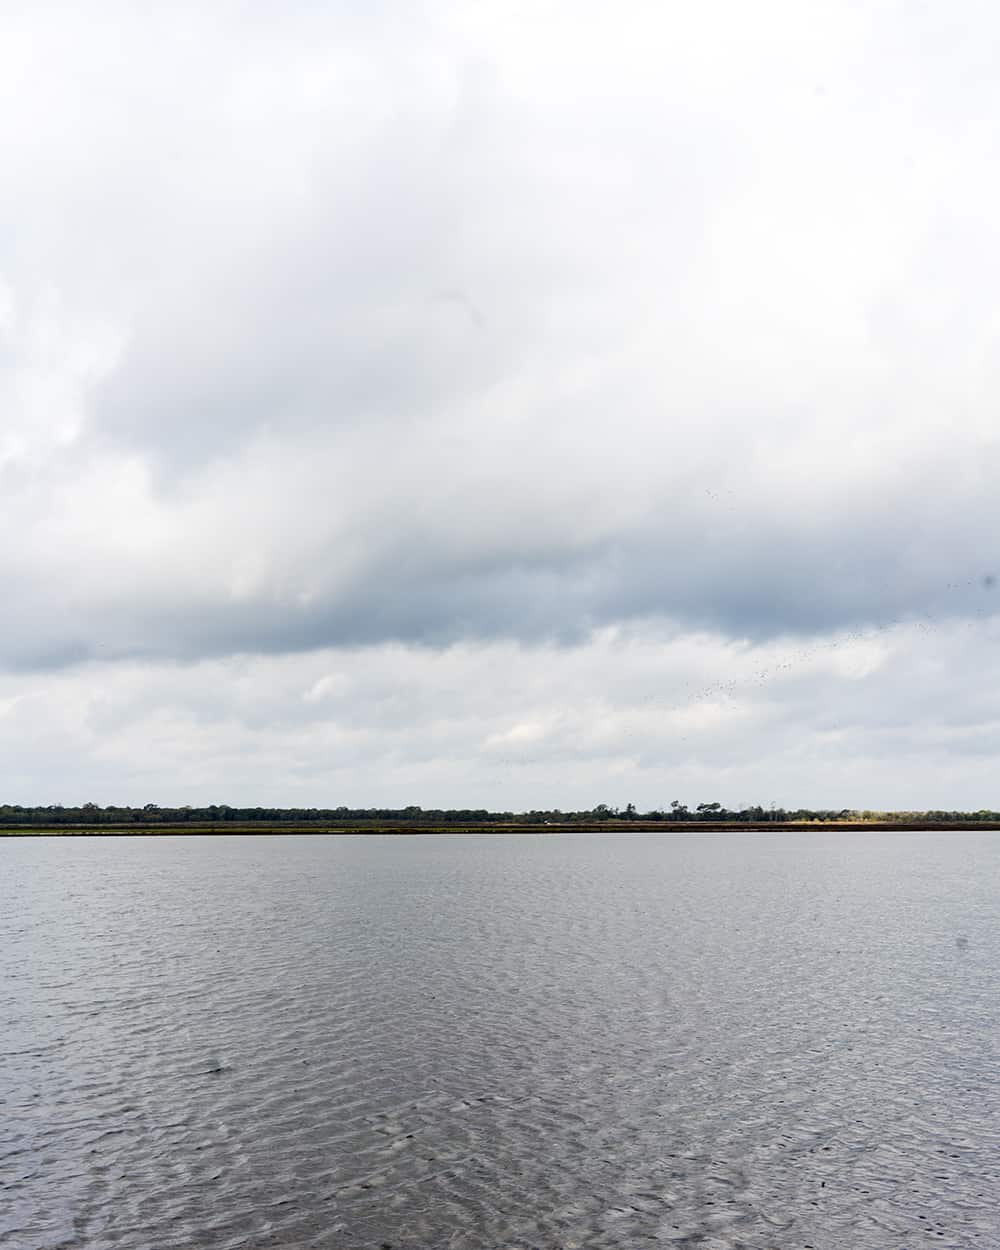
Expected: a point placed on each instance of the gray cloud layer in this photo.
(440, 326)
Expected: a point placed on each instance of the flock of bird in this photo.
(692, 695)
(925, 623)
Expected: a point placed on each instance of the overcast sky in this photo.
(500, 404)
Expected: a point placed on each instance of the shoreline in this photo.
(487, 829)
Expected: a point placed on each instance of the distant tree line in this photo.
(91, 814)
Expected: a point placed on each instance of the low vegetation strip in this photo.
(912, 822)
(152, 815)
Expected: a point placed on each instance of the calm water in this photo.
(768, 1042)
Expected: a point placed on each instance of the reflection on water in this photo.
(594, 1041)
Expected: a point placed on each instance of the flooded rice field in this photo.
(480, 1043)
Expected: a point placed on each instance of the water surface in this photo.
(771, 1042)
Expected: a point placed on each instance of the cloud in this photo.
(443, 327)
(900, 717)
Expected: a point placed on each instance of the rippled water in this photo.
(769, 1042)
